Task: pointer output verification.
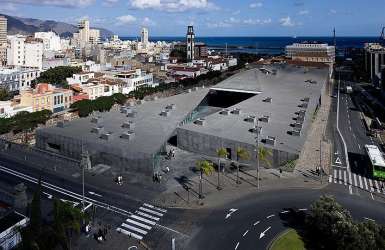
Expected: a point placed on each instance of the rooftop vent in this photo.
(97, 120)
(165, 113)
(200, 122)
(97, 130)
(129, 125)
(224, 112)
(195, 88)
(306, 99)
(171, 107)
(300, 112)
(264, 118)
(297, 125)
(125, 110)
(267, 99)
(128, 135)
(188, 91)
(251, 119)
(236, 111)
(256, 130)
(303, 105)
(139, 102)
(270, 140)
(131, 104)
(296, 132)
(299, 118)
(132, 114)
(63, 124)
(106, 136)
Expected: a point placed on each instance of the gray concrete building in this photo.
(280, 99)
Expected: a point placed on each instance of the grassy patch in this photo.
(290, 240)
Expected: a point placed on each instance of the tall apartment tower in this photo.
(3, 40)
(144, 36)
(190, 43)
(84, 31)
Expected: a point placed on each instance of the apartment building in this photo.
(3, 40)
(25, 51)
(80, 78)
(51, 41)
(10, 108)
(134, 79)
(46, 96)
(375, 63)
(17, 78)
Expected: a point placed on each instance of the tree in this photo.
(58, 75)
(205, 168)
(242, 154)
(221, 153)
(4, 94)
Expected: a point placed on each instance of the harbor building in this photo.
(311, 52)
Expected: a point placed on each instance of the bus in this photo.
(377, 161)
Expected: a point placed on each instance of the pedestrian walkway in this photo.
(142, 221)
(342, 176)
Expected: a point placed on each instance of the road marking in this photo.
(264, 233)
(338, 161)
(256, 223)
(350, 177)
(371, 194)
(139, 224)
(147, 215)
(366, 218)
(49, 196)
(330, 178)
(377, 187)
(134, 229)
(302, 209)
(236, 246)
(335, 175)
(93, 193)
(350, 189)
(340, 176)
(360, 180)
(355, 179)
(359, 146)
(120, 230)
(366, 184)
(142, 219)
(150, 211)
(268, 217)
(245, 233)
(350, 128)
(371, 185)
(231, 211)
(156, 208)
(285, 212)
(345, 182)
(172, 230)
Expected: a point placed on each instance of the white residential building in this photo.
(25, 51)
(134, 79)
(3, 40)
(80, 78)
(9, 109)
(51, 40)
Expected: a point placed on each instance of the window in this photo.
(2, 111)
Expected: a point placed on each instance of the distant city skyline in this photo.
(211, 17)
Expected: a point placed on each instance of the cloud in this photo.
(303, 12)
(286, 22)
(110, 3)
(148, 22)
(127, 19)
(8, 7)
(58, 3)
(231, 22)
(237, 12)
(173, 5)
(256, 5)
(332, 11)
(257, 21)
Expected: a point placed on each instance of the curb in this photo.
(276, 237)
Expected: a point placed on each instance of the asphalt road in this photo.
(262, 212)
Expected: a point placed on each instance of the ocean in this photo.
(266, 45)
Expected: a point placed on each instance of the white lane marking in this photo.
(256, 223)
(340, 176)
(359, 146)
(350, 189)
(49, 196)
(244, 234)
(366, 218)
(335, 175)
(302, 209)
(355, 179)
(156, 208)
(268, 217)
(134, 228)
(371, 194)
(128, 233)
(345, 182)
(350, 128)
(148, 216)
(264, 233)
(236, 246)
(93, 193)
(371, 185)
(139, 224)
(350, 177)
(360, 181)
(231, 211)
(285, 212)
(142, 219)
(151, 211)
(330, 178)
(377, 187)
(366, 184)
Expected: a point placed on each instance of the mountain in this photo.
(28, 26)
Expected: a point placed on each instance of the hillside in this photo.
(27, 26)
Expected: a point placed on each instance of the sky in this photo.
(213, 17)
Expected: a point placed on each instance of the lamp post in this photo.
(258, 130)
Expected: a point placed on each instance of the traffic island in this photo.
(287, 240)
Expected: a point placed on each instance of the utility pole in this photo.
(257, 150)
(320, 159)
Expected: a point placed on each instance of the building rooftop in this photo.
(278, 97)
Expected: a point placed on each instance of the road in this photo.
(262, 213)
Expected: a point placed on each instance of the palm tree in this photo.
(221, 153)
(263, 155)
(205, 167)
(242, 154)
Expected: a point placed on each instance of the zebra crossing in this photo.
(142, 221)
(341, 176)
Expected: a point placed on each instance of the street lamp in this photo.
(258, 130)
